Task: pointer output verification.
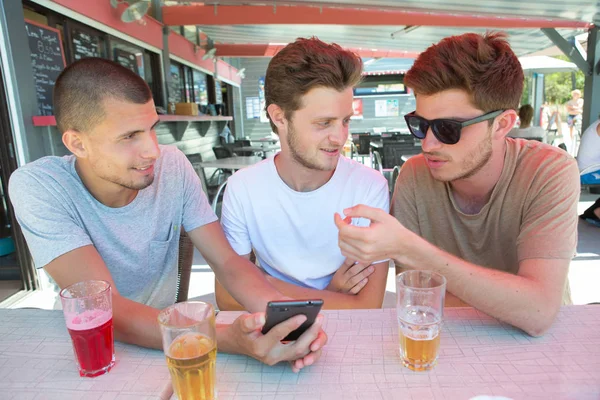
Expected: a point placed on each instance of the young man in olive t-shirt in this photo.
(496, 216)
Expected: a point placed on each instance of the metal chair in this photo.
(184, 266)
(376, 161)
(215, 201)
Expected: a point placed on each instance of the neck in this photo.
(523, 125)
(108, 193)
(297, 176)
(472, 194)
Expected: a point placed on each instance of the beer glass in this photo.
(190, 344)
(87, 307)
(419, 307)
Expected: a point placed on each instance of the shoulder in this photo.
(46, 171)
(540, 159)
(253, 174)
(355, 171)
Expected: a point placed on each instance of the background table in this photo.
(233, 163)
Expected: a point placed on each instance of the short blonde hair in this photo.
(577, 92)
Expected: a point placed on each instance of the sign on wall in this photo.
(47, 60)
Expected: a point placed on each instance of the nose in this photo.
(430, 143)
(340, 135)
(150, 148)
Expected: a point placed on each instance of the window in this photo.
(381, 84)
(86, 42)
(176, 83)
(128, 55)
(200, 91)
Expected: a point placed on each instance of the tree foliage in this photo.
(558, 86)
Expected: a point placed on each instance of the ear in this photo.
(504, 123)
(278, 117)
(75, 143)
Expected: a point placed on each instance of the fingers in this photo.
(311, 358)
(358, 287)
(339, 222)
(251, 322)
(362, 211)
(306, 340)
(348, 262)
(361, 270)
(280, 331)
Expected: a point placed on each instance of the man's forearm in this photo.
(247, 284)
(514, 299)
(136, 323)
(332, 300)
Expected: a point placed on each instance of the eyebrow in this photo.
(139, 130)
(326, 118)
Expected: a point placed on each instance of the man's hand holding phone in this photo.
(245, 336)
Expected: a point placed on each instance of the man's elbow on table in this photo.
(541, 320)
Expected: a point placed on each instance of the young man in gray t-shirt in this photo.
(114, 209)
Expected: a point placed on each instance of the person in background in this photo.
(114, 210)
(496, 216)
(282, 208)
(588, 160)
(574, 112)
(525, 129)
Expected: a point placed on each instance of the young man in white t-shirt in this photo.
(283, 208)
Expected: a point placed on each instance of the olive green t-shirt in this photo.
(532, 212)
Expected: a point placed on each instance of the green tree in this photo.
(560, 84)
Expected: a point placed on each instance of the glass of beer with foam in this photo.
(190, 344)
(419, 307)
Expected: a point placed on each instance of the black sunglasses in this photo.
(445, 130)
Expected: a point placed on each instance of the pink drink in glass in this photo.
(87, 307)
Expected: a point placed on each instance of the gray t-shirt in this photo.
(138, 242)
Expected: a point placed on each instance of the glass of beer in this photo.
(87, 307)
(190, 344)
(419, 307)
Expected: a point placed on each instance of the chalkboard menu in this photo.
(47, 60)
(85, 45)
(126, 59)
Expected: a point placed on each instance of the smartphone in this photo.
(279, 311)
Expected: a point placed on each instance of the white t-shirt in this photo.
(293, 234)
(529, 133)
(589, 149)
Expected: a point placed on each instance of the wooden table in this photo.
(478, 355)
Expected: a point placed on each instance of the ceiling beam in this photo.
(299, 14)
(269, 50)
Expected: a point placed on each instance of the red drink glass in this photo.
(87, 307)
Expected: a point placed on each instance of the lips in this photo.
(145, 169)
(434, 162)
(331, 152)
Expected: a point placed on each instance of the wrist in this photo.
(224, 339)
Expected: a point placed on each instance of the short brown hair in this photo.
(304, 65)
(526, 114)
(83, 86)
(484, 66)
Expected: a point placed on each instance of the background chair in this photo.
(222, 152)
(184, 266)
(394, 149)
(376, 161)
